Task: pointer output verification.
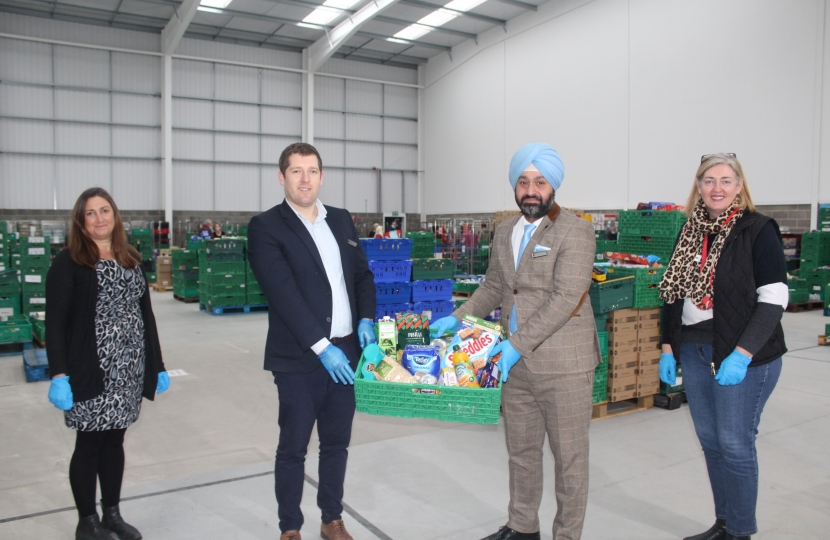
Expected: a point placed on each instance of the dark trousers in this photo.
(306, 398)
(99, 455)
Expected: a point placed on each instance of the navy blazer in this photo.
(288, 267)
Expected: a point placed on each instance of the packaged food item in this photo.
(425, 378)
(413, 329)
(490, 375)
(477, 338)
(464, 372)
(372, 355)
(441, 345)
(387, 336)
(390, 371)
(421, 359)
(447, 377)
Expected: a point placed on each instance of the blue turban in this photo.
(544, 158)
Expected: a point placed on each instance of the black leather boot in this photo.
(113, 522)
(89, 528)
(717, 532)
(730, 537)
(506, 533)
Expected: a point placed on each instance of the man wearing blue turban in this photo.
(540, 272)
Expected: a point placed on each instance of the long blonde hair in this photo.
(744, 198)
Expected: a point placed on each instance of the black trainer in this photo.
(113, 522)
(89, 528)
(717, 532)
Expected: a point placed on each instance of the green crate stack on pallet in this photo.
(601, 371)
(185, 273)
(222, 273)
(33, 289)
(142, 240)
(823, 217)
(5, 238)
(10, 294)
(253, 292)
(650, 232)
(816, 279)
(815, 250)
(799, 293)
(423, 244)
(646, 284)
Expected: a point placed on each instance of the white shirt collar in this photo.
(523, 221)
(321, 212)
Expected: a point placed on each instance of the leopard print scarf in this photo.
(684, 277)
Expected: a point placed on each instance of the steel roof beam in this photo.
(177, 26)
(517, 3)
(411, 42)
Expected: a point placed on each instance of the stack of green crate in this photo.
(649, 232)
(142, 240)
(646, 284)
(185, 273)
(15, 329)
(5, 237)
(35, 259)
(222, 273)
(799, 292)
(601, 371)
(823, 217)
(38, 321)
(9, 293)
(815, 250)
(423, 244)
(253, 292)
(816, 279)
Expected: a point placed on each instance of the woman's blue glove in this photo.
(337, 365)
(509, 357)
(733, 369)
(60, 393)
(164, 382)
(443, 325)
(366, 333)
(667, 368)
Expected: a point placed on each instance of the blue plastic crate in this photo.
(387, 249)
(432, 290)
(391, 271)
(436, 310)
(389, 310)
(36, 365)
(392, 293)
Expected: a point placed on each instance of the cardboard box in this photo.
(163, 281)
(623, 367)
(648, 388)
(624, 342)
(648, 339)
(650, 318)
(620, 389)
(622, 320)
(164, 261)
(649, 362)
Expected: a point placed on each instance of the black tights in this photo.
(98, 454)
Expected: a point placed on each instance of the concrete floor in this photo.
(199, 459)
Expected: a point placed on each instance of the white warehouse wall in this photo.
(631, 93)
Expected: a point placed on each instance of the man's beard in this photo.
(536, 207)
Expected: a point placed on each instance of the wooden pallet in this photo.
(805, 306)
(186, 299)
(161, 288)
(230, 310)
(822, 340)
(608, 410)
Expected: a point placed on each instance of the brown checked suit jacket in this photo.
(553, 336)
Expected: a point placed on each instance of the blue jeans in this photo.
(306, 399)
(726, 420)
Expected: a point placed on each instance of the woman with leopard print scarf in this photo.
(725, 290)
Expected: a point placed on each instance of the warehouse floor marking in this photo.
(313, 483)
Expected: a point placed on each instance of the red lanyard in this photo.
(705, 253)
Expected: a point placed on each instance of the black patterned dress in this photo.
(119, 331)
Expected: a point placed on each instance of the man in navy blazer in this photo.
(321, 296)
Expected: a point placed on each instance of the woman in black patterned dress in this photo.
(104, 353)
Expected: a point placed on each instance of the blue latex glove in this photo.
(667, 368)
(443, 325)
(60, 393)
(366, 333)
(164, 382)
(337, 365)
(733, 369)
(509, 357)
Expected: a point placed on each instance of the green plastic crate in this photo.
(662, 246)
(641, 275)
(33, 287)
(449, 404)
(612, 294)
(15, 329)
(184, 257)
(422, 252)
(432, 269)
(798, 297)
(599, 320)
(236, 267)
(224, 245)
(221, 279)
(185, 291)
(600, 391)
(465, 287)
(186, 274)
(646, 296)
(255, 299)
(222, 290)
(603, 343)
(38, 328)
(195, 245)
(651, 223)
(7, 289)
(10, 305)
(35, 299)
(230, 300)
(253, 288)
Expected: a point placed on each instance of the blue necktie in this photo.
(529, 228)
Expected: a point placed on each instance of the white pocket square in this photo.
(537, 248)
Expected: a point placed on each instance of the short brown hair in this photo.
(743, 199)
(83, 249)
(304, 149)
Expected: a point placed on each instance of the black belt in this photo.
(339, 340)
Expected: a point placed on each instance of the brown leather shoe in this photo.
(291, 535)
(336, 530)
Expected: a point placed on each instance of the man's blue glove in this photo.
(337, 365)
(60, 393)
(366, 333)
(509, 357)
(733, 369)
(443, 325)
(667, 368)
(164, 382)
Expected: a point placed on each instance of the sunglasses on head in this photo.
(704, 157)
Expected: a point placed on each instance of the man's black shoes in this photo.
(506, 533)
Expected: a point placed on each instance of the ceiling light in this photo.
(438, 17)
(221, 4)
(324, 16)
(211, 10)
(396, 40)
(413, 31)
(463, 5)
